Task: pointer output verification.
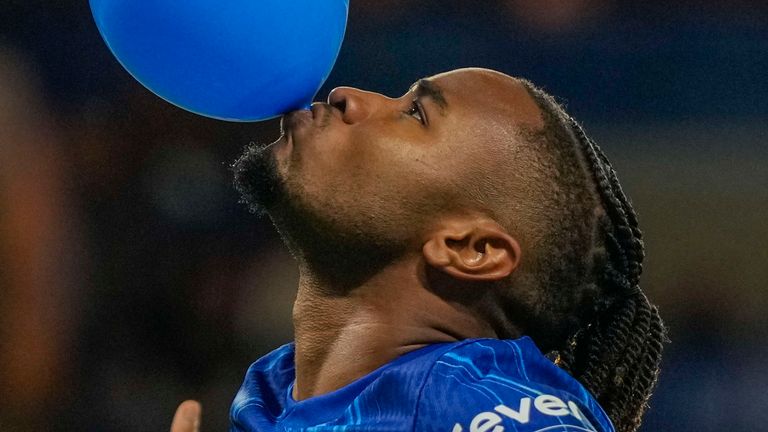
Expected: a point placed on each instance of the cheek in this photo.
(345, 165)
(335, 155)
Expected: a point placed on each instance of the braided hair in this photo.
(616, 350)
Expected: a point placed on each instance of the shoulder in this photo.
(490, 385)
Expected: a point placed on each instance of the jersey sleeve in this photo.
(480, 388)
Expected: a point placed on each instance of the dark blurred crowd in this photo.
(131, 278)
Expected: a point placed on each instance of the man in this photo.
(446, 239)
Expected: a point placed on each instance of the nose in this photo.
(355, 105)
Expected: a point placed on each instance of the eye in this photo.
(417, 112)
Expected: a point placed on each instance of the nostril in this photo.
(337, 98)
(351, 103)
(340, 104)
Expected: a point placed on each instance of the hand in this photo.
(187, 417)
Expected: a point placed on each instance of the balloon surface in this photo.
(238, 60)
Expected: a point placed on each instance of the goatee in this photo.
(257, 179)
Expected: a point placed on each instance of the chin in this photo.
(257, 178)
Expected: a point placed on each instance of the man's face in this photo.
(373, 165)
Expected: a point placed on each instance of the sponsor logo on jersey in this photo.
(547, 405)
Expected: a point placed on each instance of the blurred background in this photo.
(131, 278)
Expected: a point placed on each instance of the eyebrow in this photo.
(427, 88)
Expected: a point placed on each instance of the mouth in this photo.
(295, 120)
(294, 123)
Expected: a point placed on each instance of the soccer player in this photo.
(468, 262)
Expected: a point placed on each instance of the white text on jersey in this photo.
(548, 405)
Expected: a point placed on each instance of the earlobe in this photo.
(473, 250)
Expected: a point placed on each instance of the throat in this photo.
(328, 361)
(342, 338)
(323, 369)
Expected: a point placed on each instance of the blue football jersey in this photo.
(476, 385)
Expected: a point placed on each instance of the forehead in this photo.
(489, 94)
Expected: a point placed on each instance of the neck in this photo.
(342, 337)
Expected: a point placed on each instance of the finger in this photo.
(187, 417)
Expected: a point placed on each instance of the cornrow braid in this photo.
(617, 351)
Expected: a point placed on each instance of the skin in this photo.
(364, 166)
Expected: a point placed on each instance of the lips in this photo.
(294, 120)
(316, 109)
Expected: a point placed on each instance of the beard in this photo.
(257, 179)
(335, 250)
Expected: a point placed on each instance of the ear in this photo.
(472, 249)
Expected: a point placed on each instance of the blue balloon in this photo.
(238, 60)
